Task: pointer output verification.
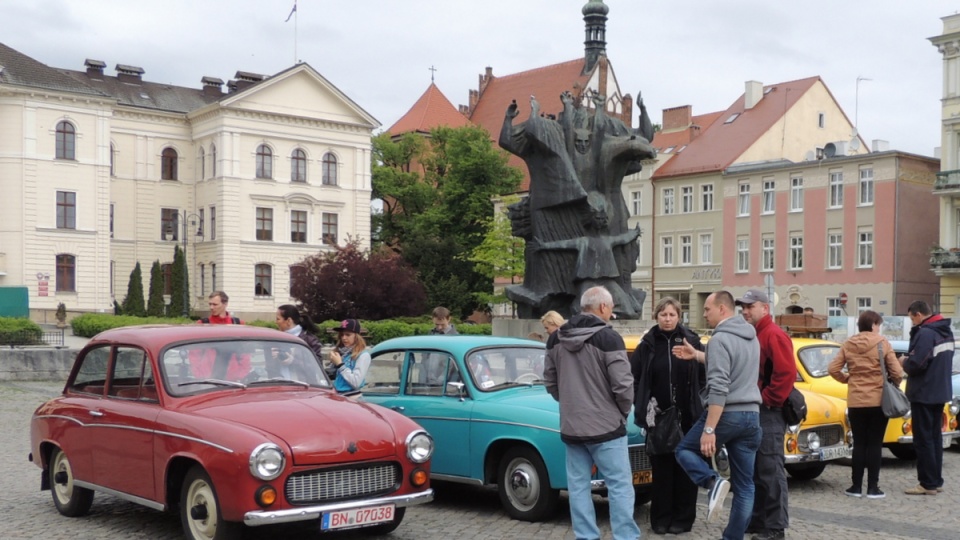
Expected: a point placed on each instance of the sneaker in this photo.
(875, 493)
(920, 490)
(769, 534)
(716, 496)
(939, 489)
(854, 491)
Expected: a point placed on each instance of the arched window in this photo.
(297, 273)
(263, 280)
(203, 164)
(298, 166)
(329, 169)
(66, 273)
(213, 161)
(264, 162)
(66, 141)
(113, 157)
(168, 164)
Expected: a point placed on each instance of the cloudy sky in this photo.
(678, 52)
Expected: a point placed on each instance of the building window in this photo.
(768, 196)
(263, 280)
(66, 141)
(821, 120)
(743, 255)
(706, 198)
(329, 232)
(796, 252)
(168, 224)
(866, 186)
(200, 228)
(166, 270)
(834, 250)
(686, 249)
(666, 251)
(113, 157)
(686, 199)
(743, 201)
(298, 166)
(865, 249)
(297, 272)
(706, 248)
(668, 201)
(863, 304)
(834, 307)
(66, 273)
(298, 226)
(213, 276)
(213, 162)
(113, 273)
(168, 164)
(836, 189)
(264, 162)
(66, 210)
(202, 159)
(329, 169)
(796, 194)
(203, 280)
(768, 256)
(265, 224)
(213, 223)
(637, 201)
(111, 220)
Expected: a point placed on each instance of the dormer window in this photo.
(732, 118)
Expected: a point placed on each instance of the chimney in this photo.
(129, 74)
(486, 78)
(246, 79)
(627, 112)
(95, 68)
(879, 145)
(753, 94)
(677, 118)
(212, 86)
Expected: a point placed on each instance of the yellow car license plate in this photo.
(642, 477)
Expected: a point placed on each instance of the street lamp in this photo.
(182, 217)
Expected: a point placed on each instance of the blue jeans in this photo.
(613, 462)
(740, 433)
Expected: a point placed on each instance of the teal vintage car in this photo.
(492, 420)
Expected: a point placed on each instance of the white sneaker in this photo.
(716, 496)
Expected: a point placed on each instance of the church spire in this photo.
(595, 43)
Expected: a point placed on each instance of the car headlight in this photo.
(419, 446)
(955, 407)
(793, 429)
(267, 461)
(813, 441)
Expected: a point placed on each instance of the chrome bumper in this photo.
(947, 435)
(304, 513)
(792, 459)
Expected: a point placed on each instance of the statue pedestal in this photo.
(522, 328)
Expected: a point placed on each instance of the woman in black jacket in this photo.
(657, 374)
(290, 321)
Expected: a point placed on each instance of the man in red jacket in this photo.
(778, 371)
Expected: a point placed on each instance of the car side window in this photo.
(92, 375)
(132, 377)
(383, 377)
(429, 372)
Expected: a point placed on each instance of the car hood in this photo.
(823, 406)
(319, 428)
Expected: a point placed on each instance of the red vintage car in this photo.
(230, 425)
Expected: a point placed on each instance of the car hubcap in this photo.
(63, 478)
(203, 513)
(524, 484)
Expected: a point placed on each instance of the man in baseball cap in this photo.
(752, 297)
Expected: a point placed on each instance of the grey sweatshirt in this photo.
(733, 367)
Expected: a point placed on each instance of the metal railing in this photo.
(21, 338)
(947, 180)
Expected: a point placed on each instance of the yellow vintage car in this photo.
(824, 436)
(813, 357)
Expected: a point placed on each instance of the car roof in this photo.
(458, 345)
(156, 336)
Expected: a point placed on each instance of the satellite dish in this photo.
(855, 142)
(854, 133)
(810, 155)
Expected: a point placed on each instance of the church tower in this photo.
(595, 42)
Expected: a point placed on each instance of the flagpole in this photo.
(296, 21)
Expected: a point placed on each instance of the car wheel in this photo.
(385, 528)
(200, 509)
(70, 500)
(806, 471)
(524, 485)
(903, 451)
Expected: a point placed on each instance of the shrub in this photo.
(20, 331)
(262, 324)
(91, 324)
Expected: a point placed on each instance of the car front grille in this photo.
(829, 435)
(639, 460)
(326, 485)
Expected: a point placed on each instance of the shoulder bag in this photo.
(893, 402)
(664, 436)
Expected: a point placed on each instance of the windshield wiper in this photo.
(280, 380)
(216, 382)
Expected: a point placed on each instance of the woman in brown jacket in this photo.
(861, 357)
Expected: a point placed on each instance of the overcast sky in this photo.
(678, 52)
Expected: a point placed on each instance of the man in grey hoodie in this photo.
(732, 419)
(587, 371)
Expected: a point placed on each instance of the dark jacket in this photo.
(930, 361)
(587, 371)
(649, 367)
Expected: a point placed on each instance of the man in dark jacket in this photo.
(587, 371)
(928, 365)
(778, 372)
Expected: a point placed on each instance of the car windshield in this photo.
(816, 359)
(194, 368)
(503, 367)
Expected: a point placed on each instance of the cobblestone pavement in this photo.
(818, 509)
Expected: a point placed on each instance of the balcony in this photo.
(944, 262)
(947, 183)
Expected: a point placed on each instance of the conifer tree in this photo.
(155, 306)
(133, 303)
(178, 280)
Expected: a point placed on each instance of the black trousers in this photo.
(769, 475)
(868, 425)
(674, 499)
(928, 442)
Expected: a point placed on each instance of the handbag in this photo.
(666, 433)
(794, 408)
(893, 401)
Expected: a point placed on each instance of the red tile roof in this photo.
(681, 137)
(719, 146)
(431, 110)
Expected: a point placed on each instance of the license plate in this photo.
(357, 517)
(837, 452)
(642, 477)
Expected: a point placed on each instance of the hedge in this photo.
(21, 331)
(91, 324)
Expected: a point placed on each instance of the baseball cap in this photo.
(349, 325)
(753, 296)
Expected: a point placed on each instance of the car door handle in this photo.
(398, 408)
(96, 413)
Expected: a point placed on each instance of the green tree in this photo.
(500, 257)
(179, 279)
(155, 305)
(437, 196)
(133, 304)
